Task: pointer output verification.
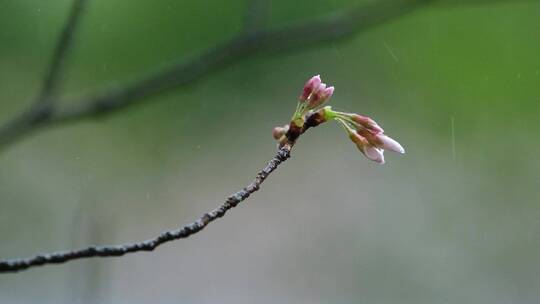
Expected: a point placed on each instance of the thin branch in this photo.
(55, 69)
(326, 29)
(15, 265)
(40, 112)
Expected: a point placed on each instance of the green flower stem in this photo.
(345, 126)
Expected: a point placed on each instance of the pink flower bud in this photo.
(374, 154)
(381, 141)
(367, 123)
(311, 85)
(358, 140)
(388, 143)
(316, 92)
(328, 92)
(320, 96)
(370, 151)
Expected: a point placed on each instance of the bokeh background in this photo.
(455, 220)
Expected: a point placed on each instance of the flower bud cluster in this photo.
(368, 136)
(364, 132)
(314, 95)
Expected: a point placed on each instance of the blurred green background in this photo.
(455, 220)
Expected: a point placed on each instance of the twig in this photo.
(55, 69)
(15, 265)
(328, 28)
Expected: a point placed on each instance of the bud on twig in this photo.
(320, 96)
(364, 132)
(366, 148)
(278, 132)
(381, 141)
(312, 84)
(367, 123)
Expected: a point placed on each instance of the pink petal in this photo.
(388, 143)
(320, 89)
(328, 92)
(374, 154)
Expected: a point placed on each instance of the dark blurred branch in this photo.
(326, 29)
(39, 113)
(149, 245)
(55, 69)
